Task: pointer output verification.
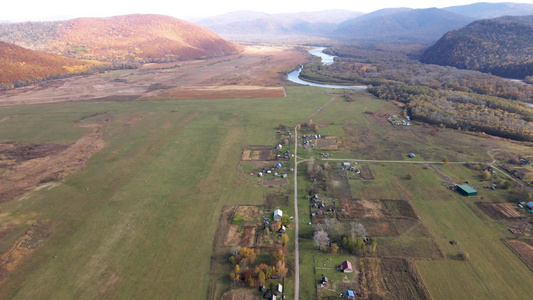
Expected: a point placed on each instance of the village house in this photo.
(278, 214)
(346, 267)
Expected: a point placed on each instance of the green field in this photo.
(139, 220)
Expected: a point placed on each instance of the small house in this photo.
(530, 204)
(466, 190)
(346, 267)
(278, 214)
(412, 155)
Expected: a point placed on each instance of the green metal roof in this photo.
(467, 189)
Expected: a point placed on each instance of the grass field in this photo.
(139, 220)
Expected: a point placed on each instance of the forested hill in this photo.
(502, 46)
(146, 38)
(19, 64)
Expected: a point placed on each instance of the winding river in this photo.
(327, 59)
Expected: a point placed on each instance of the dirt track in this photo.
(254, 73)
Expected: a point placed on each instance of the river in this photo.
(327, 59)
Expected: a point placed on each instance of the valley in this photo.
(312, 156)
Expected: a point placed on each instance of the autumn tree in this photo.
(486, 175)
(334, 249)
(285, 239)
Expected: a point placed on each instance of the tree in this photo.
(486, 175)
(463, 256)
(357, 230)
(285, 220)
(237, 269)
(261, 278)
(285, 239)
(374, 245)
(507, 184)
(445, 160)
(321, 239)
(334, 249)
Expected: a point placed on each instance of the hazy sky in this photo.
(39, 10)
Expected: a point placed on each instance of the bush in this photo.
(237, 219)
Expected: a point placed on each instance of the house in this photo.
(530, 204)
(346, 267)
(278, 214)
(350, 294)
(466, 190)
(279, 289)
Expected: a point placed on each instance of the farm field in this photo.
(138, 221)
(444, 225)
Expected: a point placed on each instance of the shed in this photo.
(466, 190)
(350, 294)
(412, 155)
(279, 289)
(278, 214)
(279, 165)
(530, 204)
(346, 267)
(346, 164)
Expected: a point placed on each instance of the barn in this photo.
(466, 190)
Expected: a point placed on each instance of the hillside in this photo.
(19, 64)
(273, 26)
(137, 37)
(484, 10)
(420, 26)
(502, 46)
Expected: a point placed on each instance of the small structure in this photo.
(466, 190)
(279, 289)
(279, 165)
(350, 294)
(346, 267)
(278, 214)
(283, 229)
(324, 282)
(346, 164)
(530, 204)
(412, 155)
(279, 147)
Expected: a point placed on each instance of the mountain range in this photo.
(397, 25)
(144, 38)
(502, 46)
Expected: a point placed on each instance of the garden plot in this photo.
(500, 210)
(327, 143)
(524, 249)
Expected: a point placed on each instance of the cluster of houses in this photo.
(308, 139)
(395, 120)
(350, 166)
(273, 294)
(273, 171)
(345, 267)
(316, 203)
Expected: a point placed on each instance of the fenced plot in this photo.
(500, 210)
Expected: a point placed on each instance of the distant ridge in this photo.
(501, 46)
(19, 64)
(402, 25)
(272, 26)
(484, 10)
(146, 38)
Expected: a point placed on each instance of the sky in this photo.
(48, 10)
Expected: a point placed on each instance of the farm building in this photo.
(278, 214)
(346, 267)
(466, 190)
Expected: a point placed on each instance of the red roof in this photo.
(346, 265)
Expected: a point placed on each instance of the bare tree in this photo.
(357, 230)
(321, 239)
